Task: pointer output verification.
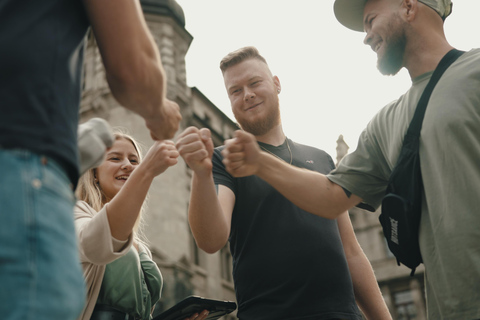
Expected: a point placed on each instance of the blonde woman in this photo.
(122, 280)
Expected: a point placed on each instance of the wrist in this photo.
(203, 173)
(266, 164)
(263, 162)
(143, 172)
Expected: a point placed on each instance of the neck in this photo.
(425, 55)
(274, 137)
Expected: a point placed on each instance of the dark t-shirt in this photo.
(287, 263)
(41, 57)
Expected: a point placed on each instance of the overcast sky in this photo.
(330, 83)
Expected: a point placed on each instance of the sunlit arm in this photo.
(132, 62)
(124, 209)
(207, 216)
(365, 285)
(309, 190)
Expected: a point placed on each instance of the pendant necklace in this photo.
(273, 154)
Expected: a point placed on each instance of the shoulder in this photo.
(305, 148)
(144, 249)
(388, 118)
(473, 53)
(314, 158)
(467, 65)
(82, 208)
(217, 156)
(218, 150)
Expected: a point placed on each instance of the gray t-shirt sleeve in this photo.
(364, 172)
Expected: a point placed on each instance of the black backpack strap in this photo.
(447, 60)
(401, 206)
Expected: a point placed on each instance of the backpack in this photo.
(402, 203)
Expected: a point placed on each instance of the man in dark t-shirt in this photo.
(287, 263)
(40, 84)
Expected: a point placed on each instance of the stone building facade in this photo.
(186, 269)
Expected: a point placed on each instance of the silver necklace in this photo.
(273, 154)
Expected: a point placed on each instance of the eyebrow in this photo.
(254, 78)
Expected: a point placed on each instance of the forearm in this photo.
(367, 293)
(208, 222)
(123, 210)
(309, 190)
(141, 87)
(129, 53)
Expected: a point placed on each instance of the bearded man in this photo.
(287, 262)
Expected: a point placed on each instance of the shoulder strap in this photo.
(447, 60)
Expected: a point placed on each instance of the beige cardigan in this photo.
(96, 247)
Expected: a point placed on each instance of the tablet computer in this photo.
(196, 304)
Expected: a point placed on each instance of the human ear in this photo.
(276, 82)
(411, 8)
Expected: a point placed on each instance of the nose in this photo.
(127, 165)
(249, 94)
(368, 38)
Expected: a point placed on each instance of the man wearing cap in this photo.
(405, 33)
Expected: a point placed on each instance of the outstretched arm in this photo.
(309, 190)
(124, 208)
(132, 63)
(209, 214)
(365, 286)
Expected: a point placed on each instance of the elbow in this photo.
(334, 214)
(209, 248)
(326, 213)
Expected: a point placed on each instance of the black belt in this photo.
(104, 312)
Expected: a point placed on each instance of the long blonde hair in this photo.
(89, 190)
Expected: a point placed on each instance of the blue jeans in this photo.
(40, 271)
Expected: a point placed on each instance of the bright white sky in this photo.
(330, 83)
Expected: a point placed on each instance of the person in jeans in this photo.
(40, 88)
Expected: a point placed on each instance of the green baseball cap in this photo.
(350, 12)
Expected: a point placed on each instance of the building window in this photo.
(226, 263)
(405, 306)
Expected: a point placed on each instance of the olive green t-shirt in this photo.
(132, 284)
(450, 165)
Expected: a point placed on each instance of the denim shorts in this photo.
(40, 271)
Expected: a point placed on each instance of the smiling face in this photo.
(386, 34)
(253, 94)
(121, 160)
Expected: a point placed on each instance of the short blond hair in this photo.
(240, 55)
